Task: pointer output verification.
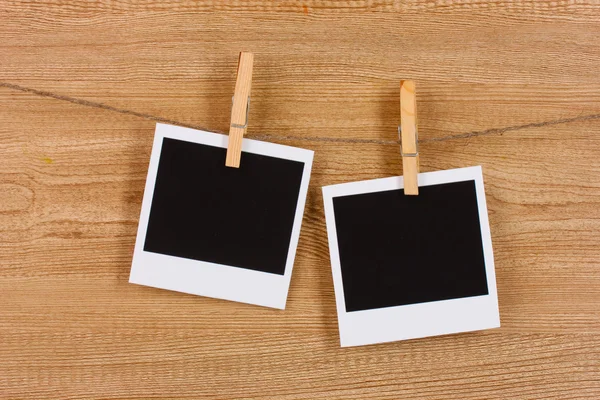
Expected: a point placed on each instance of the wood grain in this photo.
(511, 86)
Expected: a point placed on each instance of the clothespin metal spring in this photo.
(247, 112)
(402, 153)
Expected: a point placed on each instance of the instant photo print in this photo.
(411, 266)
(211, 230)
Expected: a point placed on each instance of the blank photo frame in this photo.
(211, 230)
(411, 266)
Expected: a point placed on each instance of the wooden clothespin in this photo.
(240, 109)
(409, 137)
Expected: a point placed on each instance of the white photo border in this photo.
(415, 320)
(210, 279)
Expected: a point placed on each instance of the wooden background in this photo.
(513, 86)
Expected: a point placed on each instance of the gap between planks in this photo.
(467, 135)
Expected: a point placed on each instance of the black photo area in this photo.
(203, 210)
(398, 250)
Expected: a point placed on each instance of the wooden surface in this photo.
(512, 86)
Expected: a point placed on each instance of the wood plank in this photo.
(509, 86)
(503, 66)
